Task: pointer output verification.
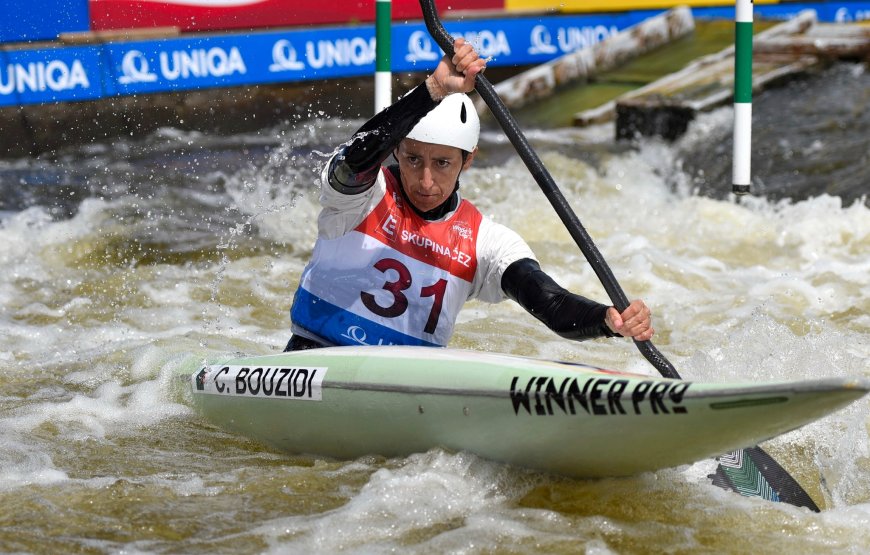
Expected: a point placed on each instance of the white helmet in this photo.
(453, 122)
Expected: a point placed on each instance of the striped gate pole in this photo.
(740, 171)
(383, 73)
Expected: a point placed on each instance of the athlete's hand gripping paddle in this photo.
(750, 472)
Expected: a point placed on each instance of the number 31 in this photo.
(400, 301)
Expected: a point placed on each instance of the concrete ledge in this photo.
(33, 130)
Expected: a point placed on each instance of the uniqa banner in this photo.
(50, 75)
(65, 74)
(154, 66)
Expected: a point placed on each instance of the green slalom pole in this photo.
(740, 174)
(383, 72)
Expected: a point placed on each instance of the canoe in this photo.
(564, 418)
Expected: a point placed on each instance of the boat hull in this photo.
(569, 419)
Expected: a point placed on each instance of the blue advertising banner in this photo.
(520, 41)
(50, 75)
(231, 60)
(829, 12)
(299, 55)
(64, 74)
(281, 56)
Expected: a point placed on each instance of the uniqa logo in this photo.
(135, 69)
(489, 43)
(182, 64)
(358, 335)
(54, 75)
(342, 52)
(214, 62)
(284, 57)
(843, 15)
(569, 39)
(575, 38)
(541, 40)
(420, 48)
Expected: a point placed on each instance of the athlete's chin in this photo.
(425, 204)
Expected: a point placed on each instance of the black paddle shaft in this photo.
(758, 466)
(549, 187)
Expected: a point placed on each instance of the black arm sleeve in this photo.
(355, 166)
(569, 315)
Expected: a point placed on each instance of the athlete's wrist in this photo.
(436, 92)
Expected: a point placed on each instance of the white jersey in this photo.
(380, 274)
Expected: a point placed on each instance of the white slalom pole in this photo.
(740, 172)
(383, 71)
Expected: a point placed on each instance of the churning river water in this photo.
(125, 263)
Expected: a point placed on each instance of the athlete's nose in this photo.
(426, 179)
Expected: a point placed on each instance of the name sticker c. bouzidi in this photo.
(279, 382)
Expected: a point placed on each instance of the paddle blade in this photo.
(753, 473)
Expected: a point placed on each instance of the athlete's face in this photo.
(429, 171)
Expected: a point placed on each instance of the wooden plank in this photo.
(96, 37)
(827, 47)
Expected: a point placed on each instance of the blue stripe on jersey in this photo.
(343, 327)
